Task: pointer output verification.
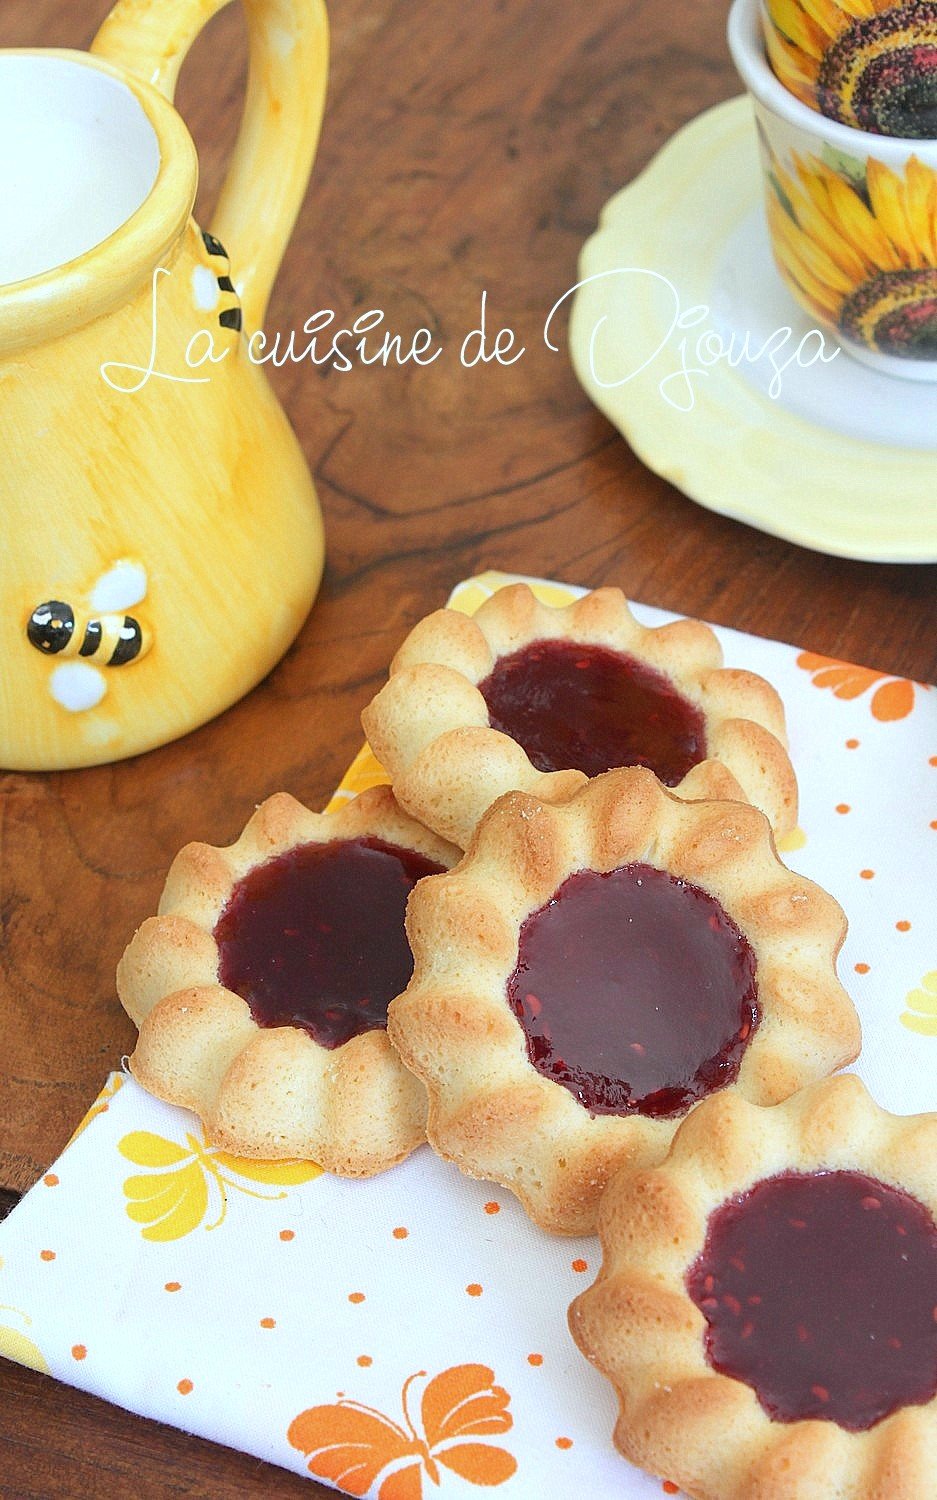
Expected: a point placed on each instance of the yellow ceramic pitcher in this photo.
(161, 540)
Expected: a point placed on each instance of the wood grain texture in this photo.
(465, 147)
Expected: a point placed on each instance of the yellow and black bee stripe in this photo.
(114, 639)
(230, 315)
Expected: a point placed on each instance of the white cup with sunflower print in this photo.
(852, 218)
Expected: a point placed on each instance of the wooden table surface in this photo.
(465, 147)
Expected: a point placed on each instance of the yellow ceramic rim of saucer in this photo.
(738, 452)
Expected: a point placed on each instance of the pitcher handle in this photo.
(272, 160)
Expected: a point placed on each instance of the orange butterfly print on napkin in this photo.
(893, 697)
(352, 1445)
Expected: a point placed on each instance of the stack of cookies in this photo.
(561, 947)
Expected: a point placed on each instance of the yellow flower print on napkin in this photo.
(471, 594)
(893, 697)
(921, 1015)
(186, 1183)
(16, 1346)
(365, 771)
(14, 1343)
(100, 1105)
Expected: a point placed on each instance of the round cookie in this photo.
(767, 1304)
(524, 696)
(260, 990)
(594, 967)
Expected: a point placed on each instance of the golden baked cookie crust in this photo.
(680, 1417)
(490, 1110)
(269, 1092)
(429, 725)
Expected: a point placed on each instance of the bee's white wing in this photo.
(121, 587)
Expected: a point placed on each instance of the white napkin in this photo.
(253, 1304)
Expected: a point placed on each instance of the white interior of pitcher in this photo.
(78, 157)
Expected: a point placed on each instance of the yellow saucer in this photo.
(679, 339)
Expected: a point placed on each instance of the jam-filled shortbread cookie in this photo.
(767, 1304)
(522, 696)
(593, 968)
(261, 989)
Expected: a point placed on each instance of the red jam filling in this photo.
(315, 937)
(820, 1292)
(635, 991)
(587, 708)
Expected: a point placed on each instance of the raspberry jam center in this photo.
(315, 937)
(587, 708)
(820, 1292)
(635, 990)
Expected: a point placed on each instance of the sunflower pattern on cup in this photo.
(871, 64)
(857, 245)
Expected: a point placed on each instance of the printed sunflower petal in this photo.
(793, 23)
(887, 195)
(814, 297)
(828, 15)
(801, 251)
(815, 223)
(846, 253)
(861, 226)
(793, 67)
(822, 301)
(921, 201)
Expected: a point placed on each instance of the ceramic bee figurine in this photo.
(100, 635)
